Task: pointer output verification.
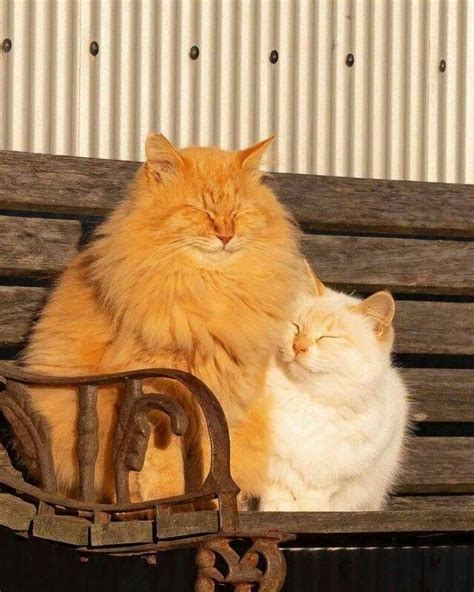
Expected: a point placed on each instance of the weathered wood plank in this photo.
(422, 327)
(358, 522)
(18, 307)
(36, 247)
(434, 327)
(438, 503)
(183, 524)
(440, 394)
(15, 513)
(91, 186)
(65, 184)
(378, 206)
(120, 533)
(402, 265)
(62, 529)
(439, 465)
(39, 247)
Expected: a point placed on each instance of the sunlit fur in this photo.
(336, 408)
(158, 288)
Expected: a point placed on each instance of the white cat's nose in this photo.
(300, 345)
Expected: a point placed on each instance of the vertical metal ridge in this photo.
(467, 95)
(185, 73)
(321, 131)
(396, 91)
(105, 87)
(452, 51)
(265, 74)
(75, 75)
(40, 75)
(432, 129)
(18, 128)
(86, 100)
(359, 120)
(206, 69)
(125, 80)
(62, 77)
(246, 74)
(147, 75)
(305, 60)
(284, 85)
(226, 39)
(340, 123)
(415, 94)
(166, 108)
(378, 90)
(4, 78)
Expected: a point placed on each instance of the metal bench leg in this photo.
(242, 572)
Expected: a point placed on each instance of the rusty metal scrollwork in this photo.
(130, 450)
(31, 431)
(243, 573)
(262, 565)
(130, 442)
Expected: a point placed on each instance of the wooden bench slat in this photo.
(439, 465)
(402, 265)
(63, 184)
(39, 182)
(378, 206)
(422, 327)
(431, 502)
(358, 522)
(36, 247)
(441, 394)
(40, 248)
(18, 307)
(434, 327)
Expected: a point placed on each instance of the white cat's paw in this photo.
(278, 505)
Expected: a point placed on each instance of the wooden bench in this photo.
(415, 239)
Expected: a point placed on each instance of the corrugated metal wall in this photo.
(392, 110)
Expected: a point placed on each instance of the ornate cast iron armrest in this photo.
(130, 442)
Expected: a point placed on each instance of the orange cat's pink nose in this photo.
(225, 238)
(300, 345)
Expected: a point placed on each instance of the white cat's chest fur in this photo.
(335, 445)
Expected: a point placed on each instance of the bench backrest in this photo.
(414, 238)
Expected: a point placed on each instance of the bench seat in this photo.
(360, 235)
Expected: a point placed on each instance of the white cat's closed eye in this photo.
(297, 328)
(327, 337)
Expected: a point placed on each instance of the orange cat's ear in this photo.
(250, 158)
(318, 286)
(380, 307)
(162, 158)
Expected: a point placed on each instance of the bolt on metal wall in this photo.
(365, 88)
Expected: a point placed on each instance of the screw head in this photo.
(350, 60)
(274, 56)
(442, 65)
(94, 48)
(6, 45)
(194, 52)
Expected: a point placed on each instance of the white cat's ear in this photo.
(380, 307)
(251, 158)
(162, 158)
(318, 286)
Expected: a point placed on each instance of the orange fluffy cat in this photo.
(194, 270)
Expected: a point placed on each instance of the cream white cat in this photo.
(329, 433)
